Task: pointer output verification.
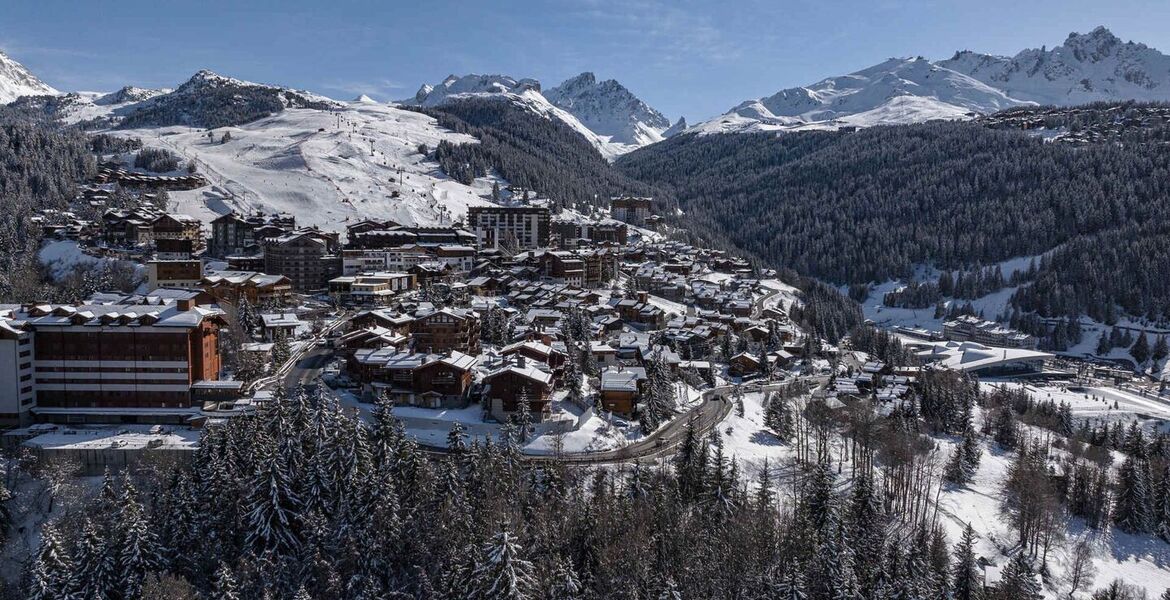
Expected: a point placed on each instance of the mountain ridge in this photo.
(1089, 67)
(16, 81)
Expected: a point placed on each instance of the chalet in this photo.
(506, 387)
(174, 226)
(256, 288)
(539, 352)
(276, 325)
(416, 379)
(603, 354)
(485, 286)
(445, 330)
(234, 234)
(743, 364)
(370, 338)
(621, 388)
(370, 289)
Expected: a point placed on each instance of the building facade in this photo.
(308, 257)
(526, 227)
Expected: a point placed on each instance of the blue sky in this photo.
(685, 58)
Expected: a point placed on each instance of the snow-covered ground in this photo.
(61, 256)
(1141, 560)
(323, 167)
(746, 440)
(1100, 404)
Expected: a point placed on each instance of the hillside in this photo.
(17, 81)
(325, 167)
(609, 109)
(875, 204)
(605, 113)
(897, 91)
(530, 151)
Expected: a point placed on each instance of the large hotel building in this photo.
(107, 363)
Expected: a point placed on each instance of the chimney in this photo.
(521, 361)
(643, 297)
(185, 304)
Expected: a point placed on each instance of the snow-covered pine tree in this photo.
(1140, 351)
(792, 587)
(1133, 506)
(572, 375)
(281, 350)
(523, 416)
(457, 438)
(140, 553)
(500, 572)
(691, 462)
(965, 459)
(224, 585)
(273, 505)
(966, 581)
(669, 591)
(1019, 580)
(96, 563)
(51, 575)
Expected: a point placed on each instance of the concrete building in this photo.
(498, 226)
(185, 274)
(308, 257)
(114, 363)
(233, 234)
(17, 392)
(631, 209)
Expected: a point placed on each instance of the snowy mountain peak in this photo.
(1094, 46)
(609, 109)
(128, 94)
(679, 126)
(454, 85)
(898, 90)
(1087, 67)
(17, 81)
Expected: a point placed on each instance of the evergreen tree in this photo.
(273, 509)
(1104, 344)
(500, 573)
(523, 416)
(1161, 349)
(1140, 351)
(1019, 581)
(1133, 506)
(281, 350)
(964, 461)
(140, 553)
(967, 583)
(224, 587)
(457, 438)
(51, 574)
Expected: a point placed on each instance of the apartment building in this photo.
(308, 257)
(17, 392)
(117, 363)
(233, 234)
(525, 227)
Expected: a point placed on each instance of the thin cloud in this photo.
(672, 34)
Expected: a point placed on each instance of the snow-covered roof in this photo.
(973, 356)
(624, 379)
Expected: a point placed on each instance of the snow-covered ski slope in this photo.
(325, 167)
